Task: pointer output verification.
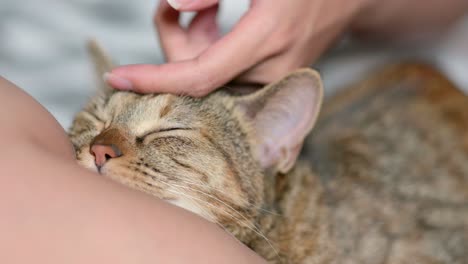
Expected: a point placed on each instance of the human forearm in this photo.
(24, 120)
(412, 19)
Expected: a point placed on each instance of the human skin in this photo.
(271, 40)
(53, 211)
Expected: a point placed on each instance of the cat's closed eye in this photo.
(159, 131)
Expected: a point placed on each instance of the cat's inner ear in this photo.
(102, 64)
(282, 114)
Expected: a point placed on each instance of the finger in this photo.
(191, 5)
(183, 44)
(213, 68)
(202, 32)
(172, 35)
(204, 25)
(176, 78)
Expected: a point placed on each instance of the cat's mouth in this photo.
(98, 168)
(102, 169)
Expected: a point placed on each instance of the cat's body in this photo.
(383, 178)
(387, 163)
(392, 155)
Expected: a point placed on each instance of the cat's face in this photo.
(209, 156)
(190, 152)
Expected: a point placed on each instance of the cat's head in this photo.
(208, 155)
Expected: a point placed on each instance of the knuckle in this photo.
(199, 87)
(283, 40)
(205, 80)
(202, 86)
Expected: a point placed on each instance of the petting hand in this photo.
(269, 41)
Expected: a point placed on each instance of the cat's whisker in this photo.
(206, 194)
(251, 227)
(201, 184)
(214, 189)
(245, 223)
(212, 220)
(211, 196)
(193, 199)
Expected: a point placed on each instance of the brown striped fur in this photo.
(382, 179)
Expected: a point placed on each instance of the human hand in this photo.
(269, 41)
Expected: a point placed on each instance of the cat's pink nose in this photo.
(103, 153)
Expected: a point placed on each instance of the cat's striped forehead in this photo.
(144, 112)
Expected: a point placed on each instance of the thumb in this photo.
(191, 5)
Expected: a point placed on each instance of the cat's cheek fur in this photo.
(87, 160)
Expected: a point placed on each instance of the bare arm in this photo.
(53, 211)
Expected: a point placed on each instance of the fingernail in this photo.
(117, 81)
(176, 4)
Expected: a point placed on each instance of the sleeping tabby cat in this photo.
(382, 179)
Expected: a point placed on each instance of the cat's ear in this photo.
(102, 64)
(282, 114)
